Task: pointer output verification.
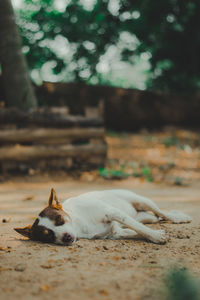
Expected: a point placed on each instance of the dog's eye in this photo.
(43, 234)
(59, 220)
(48, 236)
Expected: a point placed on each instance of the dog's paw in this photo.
(178, 217)
(159, 237)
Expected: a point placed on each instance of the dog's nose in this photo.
(67, 238)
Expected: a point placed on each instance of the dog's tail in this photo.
(178, 217)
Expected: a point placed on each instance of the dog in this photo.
(107, 214)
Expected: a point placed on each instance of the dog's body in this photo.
(113, 214)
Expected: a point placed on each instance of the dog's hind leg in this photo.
(146, 218)
(144, 204)
(156, 236)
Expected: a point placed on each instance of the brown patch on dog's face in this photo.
(41, 233)
(55, 215)
(54, 211)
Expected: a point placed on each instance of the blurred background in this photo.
(133, 66)
(130, 44)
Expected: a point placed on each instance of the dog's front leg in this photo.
(156, 236)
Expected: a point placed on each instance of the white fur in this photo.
(112, 214)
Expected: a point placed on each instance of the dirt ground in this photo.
(101, 269)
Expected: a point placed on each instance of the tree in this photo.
(16, 82)
(88, 32)
(168, 30)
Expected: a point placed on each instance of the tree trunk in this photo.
(16, 82)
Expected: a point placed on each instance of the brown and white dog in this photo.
(108, 214)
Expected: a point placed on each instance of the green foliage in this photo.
(167, 32)
(178, 181)
(86, 32)
(112, 174)
(121, 173)
(170, 141)
(146, 172)
(181, 286)
(113, 133)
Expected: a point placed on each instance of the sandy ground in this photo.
(100, 269)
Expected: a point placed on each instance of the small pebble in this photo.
(20, 268)
(5, 220)
(105, 248)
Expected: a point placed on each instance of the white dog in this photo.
(108, 214)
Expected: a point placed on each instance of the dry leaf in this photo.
(45, 287)
(28, 198)
(4, 269)
(104, 292)
(5, 249)
(103, 263)
(50, 261)
(116, 258)
(22, 279)
(48, 266)
(72, 249)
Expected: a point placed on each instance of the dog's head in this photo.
(51, 226)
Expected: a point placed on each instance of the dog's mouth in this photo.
(68, 244)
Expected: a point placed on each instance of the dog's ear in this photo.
(53, 200)
(52, 197)
(25, 231)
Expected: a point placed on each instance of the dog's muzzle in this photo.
(67, 239)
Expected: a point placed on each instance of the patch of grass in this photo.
(112, 173)
(170, 141)
(178, 181)
(146, 172)
(180, 285)
(121, 173)
(121, 134)
(112, 133)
